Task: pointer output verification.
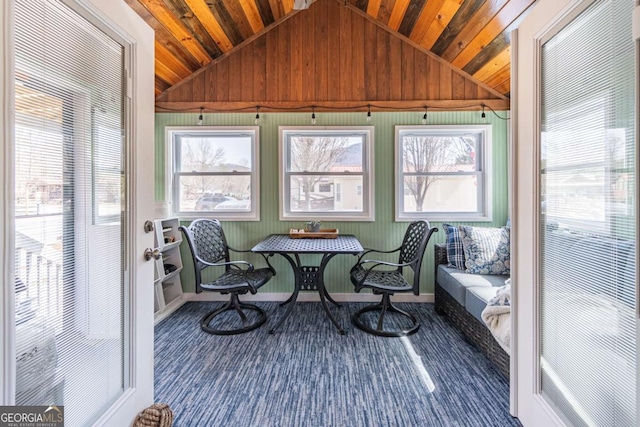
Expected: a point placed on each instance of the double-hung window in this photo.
(326, 173)
(443, 173)
(214, 172)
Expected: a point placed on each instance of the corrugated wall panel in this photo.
(384, 233)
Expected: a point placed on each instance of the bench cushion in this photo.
(456, 282)
(477, 298)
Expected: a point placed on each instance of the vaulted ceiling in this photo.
(471, 35)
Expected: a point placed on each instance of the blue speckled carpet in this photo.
(307, 374)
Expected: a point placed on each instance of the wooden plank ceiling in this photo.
(472, 35)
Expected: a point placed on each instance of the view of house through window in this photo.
(325, 172)
(215, 170)
(442, 172)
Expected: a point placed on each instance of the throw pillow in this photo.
(455, 251)
(486, 250)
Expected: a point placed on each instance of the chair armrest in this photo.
(385, 263)
(238, 250)
(368, 251)
(235, 264)
(266, 258)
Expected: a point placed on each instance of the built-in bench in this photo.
(462, 297)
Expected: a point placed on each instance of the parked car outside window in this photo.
(207, 203)
(234, 205)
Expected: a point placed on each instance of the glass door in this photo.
(578, 267)
(82, 131)
(69, 230)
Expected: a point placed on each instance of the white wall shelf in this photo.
(168, 295)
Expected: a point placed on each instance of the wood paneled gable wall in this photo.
(329, 56)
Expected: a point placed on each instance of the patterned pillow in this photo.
(486, 250)
(455, 251)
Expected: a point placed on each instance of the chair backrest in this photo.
(206, 241)
(413, 247)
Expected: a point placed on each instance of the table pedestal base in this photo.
(308, 278)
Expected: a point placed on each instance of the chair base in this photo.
(233, 304)
(384, 306)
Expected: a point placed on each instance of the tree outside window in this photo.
(327, 172)
(443, 173)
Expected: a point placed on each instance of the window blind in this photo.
(69, 185)
(588, 235)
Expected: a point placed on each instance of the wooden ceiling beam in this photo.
(505, 86)
(164, 37)
(166, 57)
(399, 9)
(485, 14)
(499, 76)
(335, 106)
(252, 13)
(497, 63)
(277, 10)
(411, 17)
(385, 10)
(191, 21)
(361, 4)
(508, 17)
(160, 11)
(444, 16)
(239, 18)
(489, 52)
(209, 22)
(161, 84)
(287, 6)
(223, 18)
(265, 12)
(425, 19)
(166, 73)
(463, 16)
(373, 7)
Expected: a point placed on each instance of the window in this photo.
(322, 170)
(443, 173)
(214, 172)
(587, 166)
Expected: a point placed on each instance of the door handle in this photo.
(152, 253)
(148, 226)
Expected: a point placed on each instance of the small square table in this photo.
(308, 277)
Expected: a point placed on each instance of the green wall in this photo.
(384, 233)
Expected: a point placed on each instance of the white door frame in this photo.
(539, 25)
(7, 228)
(139, 37)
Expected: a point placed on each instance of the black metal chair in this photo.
(209, 248)
(386, 282)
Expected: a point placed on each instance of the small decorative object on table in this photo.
(326, 233)
(312, 226)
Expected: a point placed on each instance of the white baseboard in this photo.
(308, 297)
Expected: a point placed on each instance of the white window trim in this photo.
(368, 177)
(169, 185)
(485, 213)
